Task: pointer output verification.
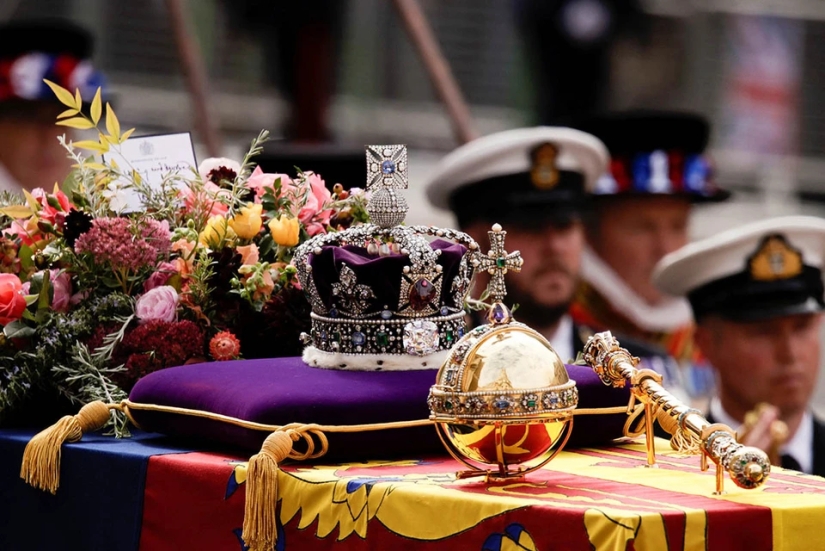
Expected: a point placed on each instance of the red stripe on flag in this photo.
(184, 505)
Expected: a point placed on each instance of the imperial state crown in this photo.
(384, 295)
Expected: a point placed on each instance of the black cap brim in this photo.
(762, 311)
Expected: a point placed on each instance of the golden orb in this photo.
(502, 398)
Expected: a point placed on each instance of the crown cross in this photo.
(498, 262)
(386, 172)
(387, 167)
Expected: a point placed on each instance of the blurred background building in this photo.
(347, 68)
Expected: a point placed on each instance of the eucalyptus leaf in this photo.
(110, 282)
(46, 294)
(25, 254)
(17, 330)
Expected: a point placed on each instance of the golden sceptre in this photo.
(748, 467)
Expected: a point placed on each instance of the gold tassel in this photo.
(260, 523)
(41, 458)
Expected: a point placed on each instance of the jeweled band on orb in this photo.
(447, 404)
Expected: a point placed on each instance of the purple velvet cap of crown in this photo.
(286, 390)
(382, 274)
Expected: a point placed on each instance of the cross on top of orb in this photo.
(498, 262)
(387, 167)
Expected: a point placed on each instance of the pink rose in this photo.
(12, 302)
(311, 216)
(260, 181)
(160, 276)
(314, 228)
(161, 303)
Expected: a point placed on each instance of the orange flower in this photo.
(225, 346)
(248, 222)
(249, 254)
(285, 231)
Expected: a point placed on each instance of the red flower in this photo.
(225, 346)
(157, 345)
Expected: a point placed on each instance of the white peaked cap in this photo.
(726, 253)
(508, 152)
(763, 270)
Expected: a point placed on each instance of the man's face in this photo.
(552, 258)
(634, 233)
(774, 361)
(30, 152)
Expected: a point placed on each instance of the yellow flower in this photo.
(217, 229)
(248, 222)
(285, 231)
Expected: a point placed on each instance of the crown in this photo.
(384, 295)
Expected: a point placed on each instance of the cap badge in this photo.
(775, 259)
(544, 173)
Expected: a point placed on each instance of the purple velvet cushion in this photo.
(285, 390)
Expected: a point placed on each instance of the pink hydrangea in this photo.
(125, 244)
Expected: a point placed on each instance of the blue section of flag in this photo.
(354, 484)
(492, 543)
(99, 477)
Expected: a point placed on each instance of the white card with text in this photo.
(154, 157)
